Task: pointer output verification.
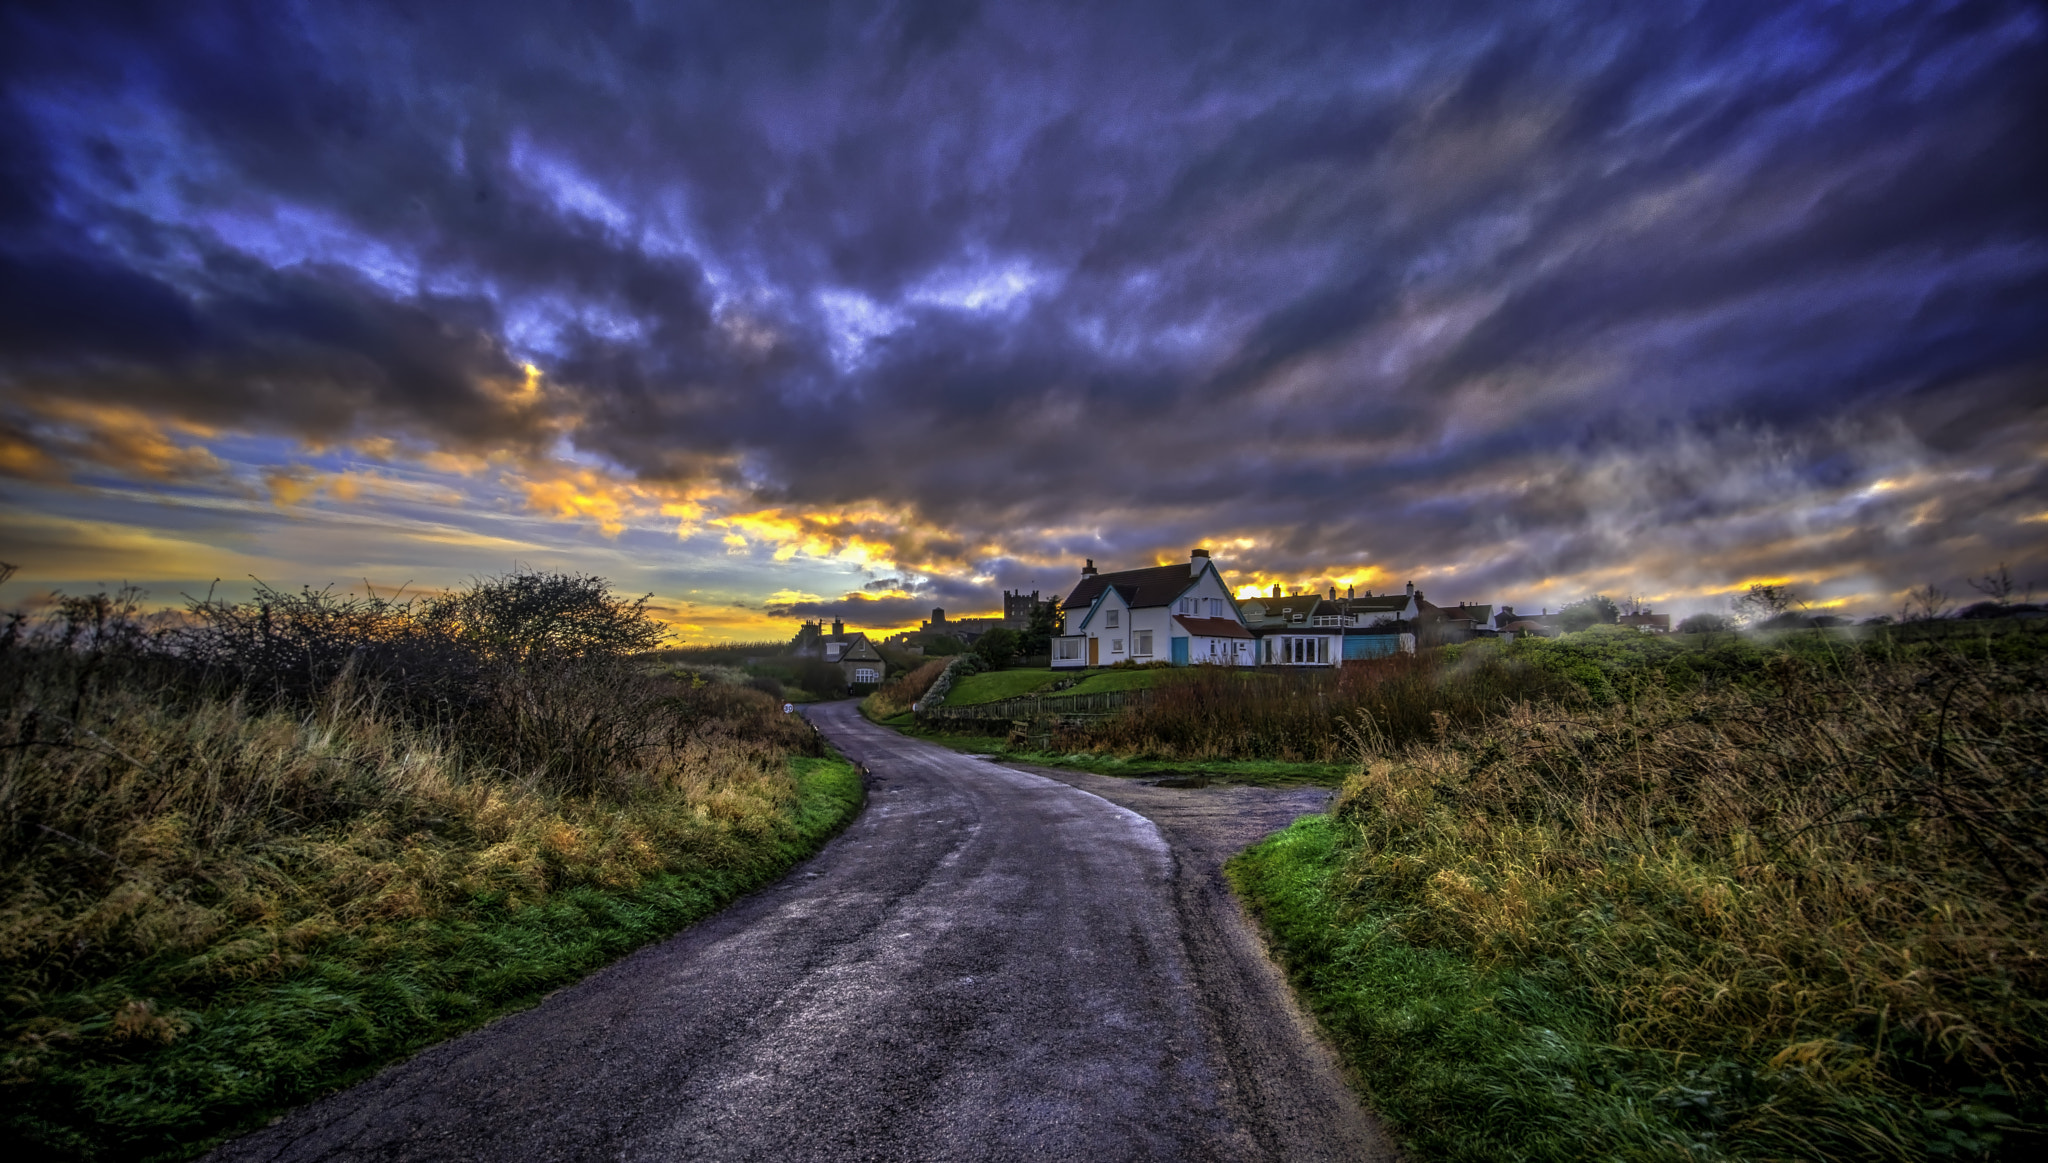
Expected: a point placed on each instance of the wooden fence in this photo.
(1034, 707)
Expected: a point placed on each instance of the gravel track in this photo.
(990, 963)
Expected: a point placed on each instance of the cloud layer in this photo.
(1526, 302)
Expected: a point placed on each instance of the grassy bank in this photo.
(242, 869)
(1255, 772)
(1795, 914)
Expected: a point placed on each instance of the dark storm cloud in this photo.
(1540, 290)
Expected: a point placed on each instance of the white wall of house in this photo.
(1301, 648)
(1146, 634)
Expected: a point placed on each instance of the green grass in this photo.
(996, 685)
(1252, 772)
(1459, 1062)
(362, 1001)
(1122, 680)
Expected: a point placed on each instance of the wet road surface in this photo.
(990, 963)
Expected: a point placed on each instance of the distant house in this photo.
(1314, 630)
(855, 656)
(1543, 625)
(1180, 614)
(1647, 622)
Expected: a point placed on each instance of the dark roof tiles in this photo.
(1156, 586)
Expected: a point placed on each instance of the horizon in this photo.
(860, 310)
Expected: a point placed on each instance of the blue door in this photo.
(1180, 652)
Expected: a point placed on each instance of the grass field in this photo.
(222, 894)
(995, 685)
(1796, 916)
(1255, 772)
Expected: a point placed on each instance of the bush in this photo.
(996, 646)
(1596, 610)
(1706, 624)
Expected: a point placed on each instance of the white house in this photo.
(1311, 630)
(1181, 614)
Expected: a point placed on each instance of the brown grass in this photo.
(1838, 876)
(895, 696)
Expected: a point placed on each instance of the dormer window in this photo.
(832, 651)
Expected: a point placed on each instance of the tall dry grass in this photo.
(1819, 899)
(328, 817)
(1222, 713)
(144, 824)
(898, 694)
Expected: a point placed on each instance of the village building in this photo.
(1178, 614)
(855, 656)
(1316, 630)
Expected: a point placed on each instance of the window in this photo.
(1116, 646)
(1110, 618)
(863, 674)
(1141, 643)
(1188, 606)
(1216, 608)
(832, 651)
(1070, 648)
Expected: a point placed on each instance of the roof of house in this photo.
(1272, 613)
(856, 646)
(1212, 627)
(1154, 586)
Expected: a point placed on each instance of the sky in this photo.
(819, 309)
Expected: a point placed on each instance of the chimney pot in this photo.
(1276, 590)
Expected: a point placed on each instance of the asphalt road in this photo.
(989, 964)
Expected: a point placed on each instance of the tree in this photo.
(529, 615)
(1592, 610)
(942, 645)
(1925, 604)
(1047, 621)
(1999, 586)
(1706, 624)
(997, 646)
(1764, 602)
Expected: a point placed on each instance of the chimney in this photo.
(1333, 593)
(1194, 553)
(1089, 569)
(838, 628)
(1411, 589)
(1276, 589)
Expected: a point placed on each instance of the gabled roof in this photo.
(854, 646)
(1156, 586)
(1213, 627)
